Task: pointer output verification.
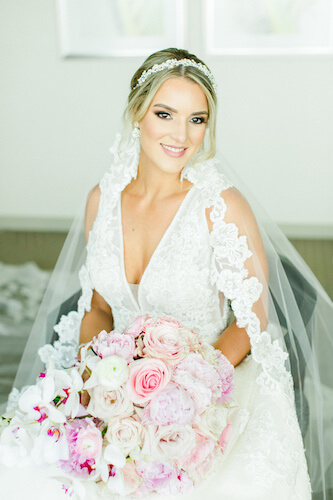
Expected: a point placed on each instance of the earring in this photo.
(136, 132)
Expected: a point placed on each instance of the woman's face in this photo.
(174, 126)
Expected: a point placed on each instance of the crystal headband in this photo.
(172, 63)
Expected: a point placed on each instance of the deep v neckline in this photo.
(155, 252)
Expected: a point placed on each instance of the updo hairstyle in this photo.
(141, 96)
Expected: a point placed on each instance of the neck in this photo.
(154, 184)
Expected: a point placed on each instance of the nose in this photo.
(179, 131)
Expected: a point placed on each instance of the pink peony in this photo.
(180, 483)
(107, 344)
(85, 446)
(136, 327)
(163, 339)
(225, 436)
(173, 405)
(200, 378)
(226, 375)
(155, 475)
(147, 377)
(203, 448)
(204, 459)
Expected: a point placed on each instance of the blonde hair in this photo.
(141, 96)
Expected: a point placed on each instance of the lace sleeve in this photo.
(239, 269)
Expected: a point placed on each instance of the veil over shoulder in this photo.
(293, 344)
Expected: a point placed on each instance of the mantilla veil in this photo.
(295, 349)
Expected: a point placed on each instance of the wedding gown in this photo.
(195, 275)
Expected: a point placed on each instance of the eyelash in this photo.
(165, 116)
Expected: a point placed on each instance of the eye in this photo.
(198, 119)
(163, 114)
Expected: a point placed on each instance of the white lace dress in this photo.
(195, 276)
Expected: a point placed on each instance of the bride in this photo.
(167, 233)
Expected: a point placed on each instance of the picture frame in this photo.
(113, 28)
(240, 27)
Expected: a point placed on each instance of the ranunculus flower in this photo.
(111, 372)
(106, 404)
(213, 420)
(173, 405)
(163, 340)
(168, 442)
(107, 344)
(125, 433)
(147, 377)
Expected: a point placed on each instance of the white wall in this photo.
(59, 117)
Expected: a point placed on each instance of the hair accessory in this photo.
(172, 63)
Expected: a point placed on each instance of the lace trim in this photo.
(231, 277)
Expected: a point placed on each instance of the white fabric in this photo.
(194, 276)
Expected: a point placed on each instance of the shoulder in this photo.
(237, 209)
(91, 208)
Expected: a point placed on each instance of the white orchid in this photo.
(37, 401)
(50, 445)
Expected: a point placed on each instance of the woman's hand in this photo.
(84, 396)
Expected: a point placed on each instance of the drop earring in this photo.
(136, 132)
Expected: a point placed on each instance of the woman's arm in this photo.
(100, 315)
(234, 342)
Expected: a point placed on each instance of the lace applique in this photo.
(267, 454)
(228, 272)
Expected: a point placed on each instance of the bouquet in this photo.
(157, 419)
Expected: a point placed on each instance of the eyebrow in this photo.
(175, 111)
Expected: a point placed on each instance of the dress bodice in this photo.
(177, 281)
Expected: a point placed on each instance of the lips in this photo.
(173, 150)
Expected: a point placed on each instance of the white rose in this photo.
(125, 433)
(168, 442)
(213, 420)
(110, 372)
(105, 403)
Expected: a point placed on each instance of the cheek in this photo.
(198, 135)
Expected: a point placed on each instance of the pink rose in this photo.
(125, 433)
(147, 377)
(162, 339)
(225, 436)
(173, 405)
(136, 327)
(168, 442)
(111, 343)
(106, 403)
